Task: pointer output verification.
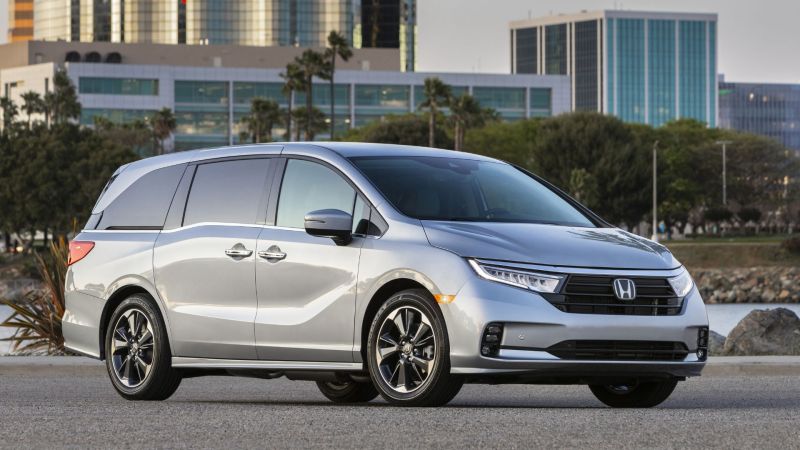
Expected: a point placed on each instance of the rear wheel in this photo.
(138, 357)
(347, 391)
(634, 394)
(408, 353)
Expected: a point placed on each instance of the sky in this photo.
(759, 40)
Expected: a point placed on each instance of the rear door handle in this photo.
(272, 254)
(238, 252)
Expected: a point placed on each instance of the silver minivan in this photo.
(372, 269)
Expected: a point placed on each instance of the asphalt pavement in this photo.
(66, 403)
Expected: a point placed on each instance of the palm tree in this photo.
(61, 105)
(264, 114)
(337, 46)
(293, 81)
(162, 124)
(465, 112)
(9, 113)
(313, 122)
(437, 94)
(312, 64)
(32, 103)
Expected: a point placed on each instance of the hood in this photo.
(608, 248)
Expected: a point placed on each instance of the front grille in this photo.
(584, 294)
(620, 350)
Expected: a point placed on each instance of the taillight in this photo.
(78, 250)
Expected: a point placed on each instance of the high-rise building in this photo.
(771, 110)
(298, 23)
(20, 20)
(645, 67)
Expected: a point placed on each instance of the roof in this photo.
(131, 172)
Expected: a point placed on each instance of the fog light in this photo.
(701, 354)
(492, 336)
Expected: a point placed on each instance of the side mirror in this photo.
(330, 223)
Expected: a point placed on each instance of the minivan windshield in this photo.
(452, 189)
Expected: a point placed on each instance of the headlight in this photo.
(535, 281)
(681, 284)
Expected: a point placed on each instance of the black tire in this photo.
(634, 395)
(438, 386)
(347, 391)
(159, 380)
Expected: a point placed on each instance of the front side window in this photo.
(309, 186)
(450, 189)
(227, 192)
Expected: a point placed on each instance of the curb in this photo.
(717, 366)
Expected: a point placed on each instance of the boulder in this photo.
(765, 332)
(716, 343)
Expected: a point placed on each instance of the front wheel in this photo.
(634, 394)
(408, 353)
(138, 357)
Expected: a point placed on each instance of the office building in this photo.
(210, 92)
(20, 20)
(645, 67)
(771, 110)
(288, 23)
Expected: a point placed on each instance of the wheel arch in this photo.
(118, 296)
(382, 294)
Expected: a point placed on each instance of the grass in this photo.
(760, 239)
(722, 255)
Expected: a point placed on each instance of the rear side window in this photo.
(227, 192)
(309, 186)
(144, 204)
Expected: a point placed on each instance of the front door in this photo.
(205, 269)
(306, 284)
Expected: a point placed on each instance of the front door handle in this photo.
(273, 252)
(238, 251)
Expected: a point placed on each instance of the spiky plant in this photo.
(37, 318)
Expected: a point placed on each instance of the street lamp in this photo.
(724, 145)
(655, 198)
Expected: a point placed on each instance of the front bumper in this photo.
(531, 325)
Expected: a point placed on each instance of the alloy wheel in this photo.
(132, 348)
(406, 349)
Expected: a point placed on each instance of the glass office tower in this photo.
(301, 23)
(646, 67)
(771, 110)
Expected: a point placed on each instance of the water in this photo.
(5, 347)
(722, 318)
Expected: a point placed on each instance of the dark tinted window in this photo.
(308, 186)
(227, 192)
(466, 190)
(144, 203)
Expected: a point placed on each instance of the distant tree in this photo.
(465, 113)
(508, 141)
(337, 47)
(62, 102)
(436, 94)
(263, 116)
(605, 148)
(162, 124)
(313, 122)
(408, 129)
(312, 64)
(10, 112)
(293, 81)
(32, 103)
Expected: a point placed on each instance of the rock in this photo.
(716, 343)
(765, 332)
(784, 295)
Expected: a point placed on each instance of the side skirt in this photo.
(181, 362)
